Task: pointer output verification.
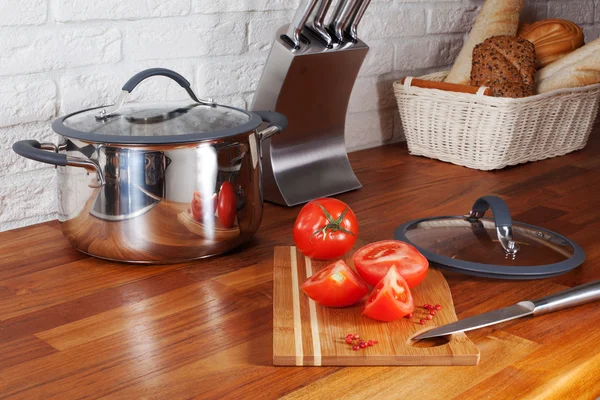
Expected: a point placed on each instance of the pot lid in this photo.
(492, 247)
(158, 122)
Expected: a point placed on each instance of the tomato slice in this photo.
(374, 260)
(336, 285)
(391, 299)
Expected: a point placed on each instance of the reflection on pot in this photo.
(161, 204)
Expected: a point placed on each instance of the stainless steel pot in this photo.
(158, 182)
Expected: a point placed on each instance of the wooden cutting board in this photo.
(305, 333)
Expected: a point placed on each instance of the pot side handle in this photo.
(277, 123)
(34, 150)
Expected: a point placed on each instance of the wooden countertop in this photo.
(72, 326)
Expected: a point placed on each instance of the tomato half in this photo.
(325, 229)
(391, 298)
(374, 260)
(199, 210)
(226, 206)
(336, 285)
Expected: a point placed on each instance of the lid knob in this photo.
(502, 220)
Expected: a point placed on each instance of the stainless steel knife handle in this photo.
(304, 10)
(356, 18)
(567, 298)
(316, 21)
(341, 15)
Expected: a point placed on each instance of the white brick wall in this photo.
(58, 56)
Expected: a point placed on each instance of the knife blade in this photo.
(356, 18)
(299, 20)
(567, 298)
(316, 22)
(341, 15)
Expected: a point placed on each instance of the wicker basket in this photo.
(486, 133)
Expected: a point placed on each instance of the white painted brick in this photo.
(261, 31)
(379, 59)
(26, 99)
(418, 53)
(410, 21)
(368, 129)
(101, 86)
(36, 49)
(534, 12)
(452, 18)
(10, 162)
(591, 33)
(29, 195)
(81, 10)
(370, 94)
(578, 11)
(224, 76)
(22, 12)
(201, 35)
(220, 6)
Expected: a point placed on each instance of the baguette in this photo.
(579, 68)
(448, 87)
(496, 18)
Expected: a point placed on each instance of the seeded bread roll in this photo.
(496, 18)
(506, 64)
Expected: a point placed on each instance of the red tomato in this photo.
(198, 207)
(374, 260)
(336, 285)
(391, 299)
(325, 229)
(226, 207)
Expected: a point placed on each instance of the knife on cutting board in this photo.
(305, 9)
(359, 12)
(316, 22)
(341, 16)
(559, 301)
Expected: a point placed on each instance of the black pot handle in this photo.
(147, 73)
(34, 150)
(502, 220)
(277, 123)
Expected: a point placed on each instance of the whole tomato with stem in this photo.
(325, 229)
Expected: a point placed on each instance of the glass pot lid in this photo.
(158, 122)
(497, 248)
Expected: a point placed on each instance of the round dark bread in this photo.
(506, 64)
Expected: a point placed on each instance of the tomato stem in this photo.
(334, 224)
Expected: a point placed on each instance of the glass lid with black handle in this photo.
(494, 247)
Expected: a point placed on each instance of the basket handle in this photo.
(410, 81)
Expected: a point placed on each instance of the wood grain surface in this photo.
(305, 333)
(75, 327)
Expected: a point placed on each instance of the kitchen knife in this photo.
(316, 22)
(555, 302)
(352, 29)
(295, 29)
(341, 15)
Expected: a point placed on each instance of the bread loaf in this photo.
(553, 39)
(579, 68)
(496, 18)
(506, 64)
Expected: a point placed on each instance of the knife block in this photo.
(311, 86)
